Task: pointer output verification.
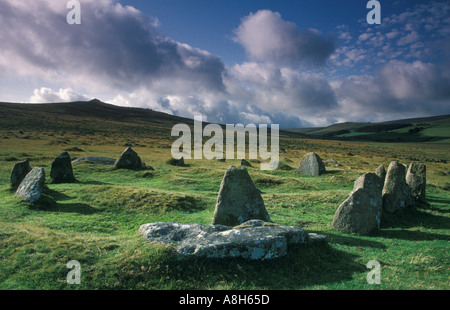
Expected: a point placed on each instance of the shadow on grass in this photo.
(353, 240)
(93, 182)
(303, 267)
(49, 201)
(411, 235)
(415, 218)
(332, 172)
(433, 201)
(50, 205)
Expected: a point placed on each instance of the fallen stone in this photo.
(254, 240)
(19, 172)
(281, 166)
(416, 178)
(176, 162)
(245, 163)
(238, 200)
(361, 211)
(61, 171)
(96, 160)
(396, 192)
(311, 165)
(129, 160)
(30, 189)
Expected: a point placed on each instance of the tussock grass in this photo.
(95, 220)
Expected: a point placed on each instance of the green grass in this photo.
(95, 220)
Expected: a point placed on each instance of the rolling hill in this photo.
(425, 129)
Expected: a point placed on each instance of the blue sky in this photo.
(295, 63)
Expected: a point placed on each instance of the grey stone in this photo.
(311, 165)
(281, 166)
(238, 200)
(361, 211)
(96, 160)
(30, 189)
(416, 178)
(254, 240)
(61, 171)
(18, 173)
(396, 192)
(245, 163)
(381, 172)
(128, 160)
(176, 162)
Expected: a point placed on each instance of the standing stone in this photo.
(31, 187)
(19, 172)
(129, 160)
(416, 178)
(311, 165)
(239, 200)
(361, 211)
(61, 171)
(396, 193)
(381, 172)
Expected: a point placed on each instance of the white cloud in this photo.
(265, 36)
(119, 51)
(44, 95)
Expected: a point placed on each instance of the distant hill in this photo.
(91, 117)
(85, 117)
(423, 129)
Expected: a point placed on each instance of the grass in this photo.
(95, 220)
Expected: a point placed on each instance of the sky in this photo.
(294, 63)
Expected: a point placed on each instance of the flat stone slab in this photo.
(254, 239)
(96, 160)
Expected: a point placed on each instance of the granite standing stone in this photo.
(61, 171)
(129, 160)
(381, 172)
(361, 211)
(311, 165)
(416, 178)
(238, 200)
(30, 189)
(19, 172)
(396, 192)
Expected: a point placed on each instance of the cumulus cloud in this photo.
(45, 94)
(398, 89)
(265, 36)
(119, 51)
(115, 47)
